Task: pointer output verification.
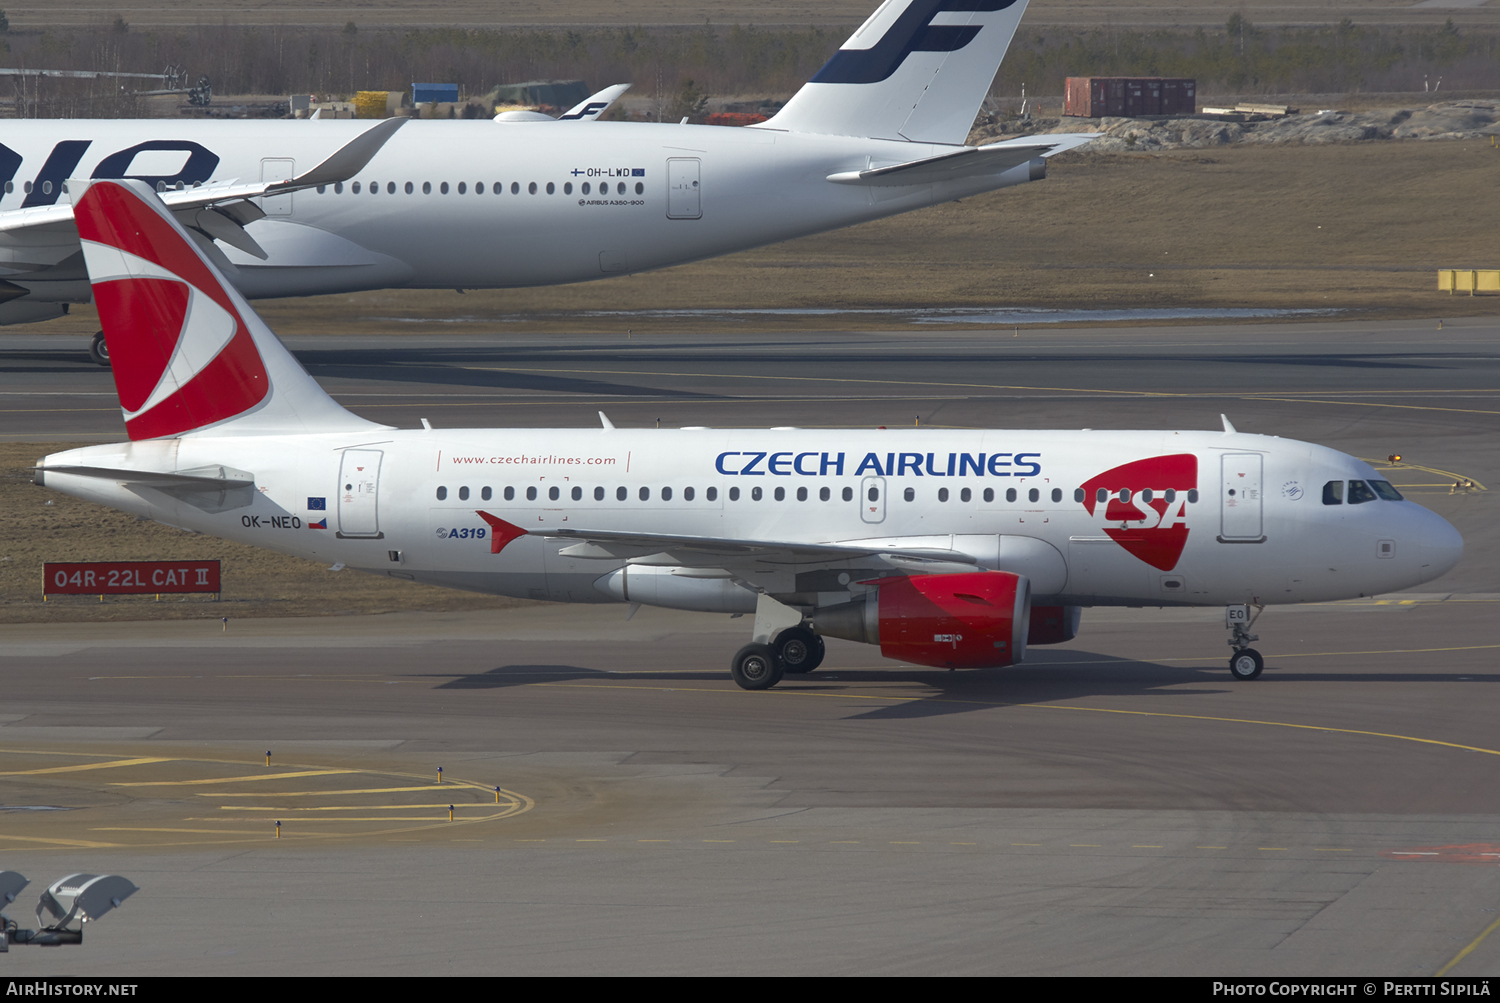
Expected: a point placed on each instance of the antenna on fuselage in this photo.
(1228, 428)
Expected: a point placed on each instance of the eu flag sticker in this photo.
(638, 172)
(317, 504)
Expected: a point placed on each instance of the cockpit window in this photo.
(1386, 490)
(1359, 493)
(1333, 493)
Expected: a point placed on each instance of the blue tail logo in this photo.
(913, 31)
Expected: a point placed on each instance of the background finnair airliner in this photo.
(947, 548)
(474, 204)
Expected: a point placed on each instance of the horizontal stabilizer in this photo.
(969, 162)
(198, 478)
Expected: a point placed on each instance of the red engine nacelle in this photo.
(1053, 624)
(965, 621)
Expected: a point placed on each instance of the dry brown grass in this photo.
(1358, 227)
(38, 525)
(487, 13)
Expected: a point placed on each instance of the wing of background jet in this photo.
(968, 162)
(33, 239)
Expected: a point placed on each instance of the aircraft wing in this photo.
(968, 162)
(220, 209)
(713, 552)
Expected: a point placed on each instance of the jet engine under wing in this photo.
(967, 162)
(703, 551)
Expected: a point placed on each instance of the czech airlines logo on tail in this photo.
(182, 355)
(1148, 499)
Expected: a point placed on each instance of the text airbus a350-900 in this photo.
(879, 130)
(953, 549)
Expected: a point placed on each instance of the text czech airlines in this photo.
(749, 463)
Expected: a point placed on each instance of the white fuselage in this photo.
(470, 204)
(1246, 520)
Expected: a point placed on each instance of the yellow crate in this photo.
(1487, 280)
(371, 104)
(1468, 280)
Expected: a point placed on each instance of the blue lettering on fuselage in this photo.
(820, 464)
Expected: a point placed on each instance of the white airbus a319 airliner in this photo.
(952, 549)
(879, 130)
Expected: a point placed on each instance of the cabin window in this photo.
(1170, 495)
(687, 494)
(1102, 496)
(552, 494)
(874, 494)
(515, 187)
(425, 188)
(781, 494)
(824, 494)
(989, 494)
(531, 188)
(640, 188)
(322, 189)
(734, 494)
(1193, 496)
(1124, 494)
(666, 494)
(442, 494)
(568, 188)
(463, 494)
(712, 494)
(599, 494)
(1010, 494)
(1146, 495)
(486, 494)
(354, 188)
(621, 493)
(479, 188)
(1033, 495)
(1057, 494)
(755, 494)
(531, 493)
(338, 187)
(802, 494)
(965, 495)
(510, 494)
(910, 494)
(551, 188)
(645, 494)
(1078, 494)
(848, 494)
(942, 494)
(462, 188)
(443, 188)
(577, 494)
(390, 187)
(586, 189)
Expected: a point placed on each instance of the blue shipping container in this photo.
(424, 93)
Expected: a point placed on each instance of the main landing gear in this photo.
(781, 644)
(99, 350)
(1246, 663)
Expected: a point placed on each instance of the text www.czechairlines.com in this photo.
(547, 461)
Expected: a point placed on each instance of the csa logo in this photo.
(1152, 529)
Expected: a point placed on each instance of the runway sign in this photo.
(103, 578)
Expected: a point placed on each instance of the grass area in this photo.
(39, 525)
(1359, 227)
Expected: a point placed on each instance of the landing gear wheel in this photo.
(755, 667)
(99, 349)
(1246, 664)
(799, 649)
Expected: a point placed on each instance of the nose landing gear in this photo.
(1246, 663)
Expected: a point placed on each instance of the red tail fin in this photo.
(187, 351)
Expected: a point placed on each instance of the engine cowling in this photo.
(1054, 624)
(964, 621)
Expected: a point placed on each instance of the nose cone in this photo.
(1440, 545)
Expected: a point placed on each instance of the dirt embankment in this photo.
(1452, 120)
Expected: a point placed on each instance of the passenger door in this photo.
(1240, 500)
(359, 488)
(684, 193)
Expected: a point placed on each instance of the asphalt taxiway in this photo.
(1115, 805)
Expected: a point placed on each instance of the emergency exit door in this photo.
(872, 499)
(277, 169)
(1240, 498)
(359, 493)
(684, 192)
